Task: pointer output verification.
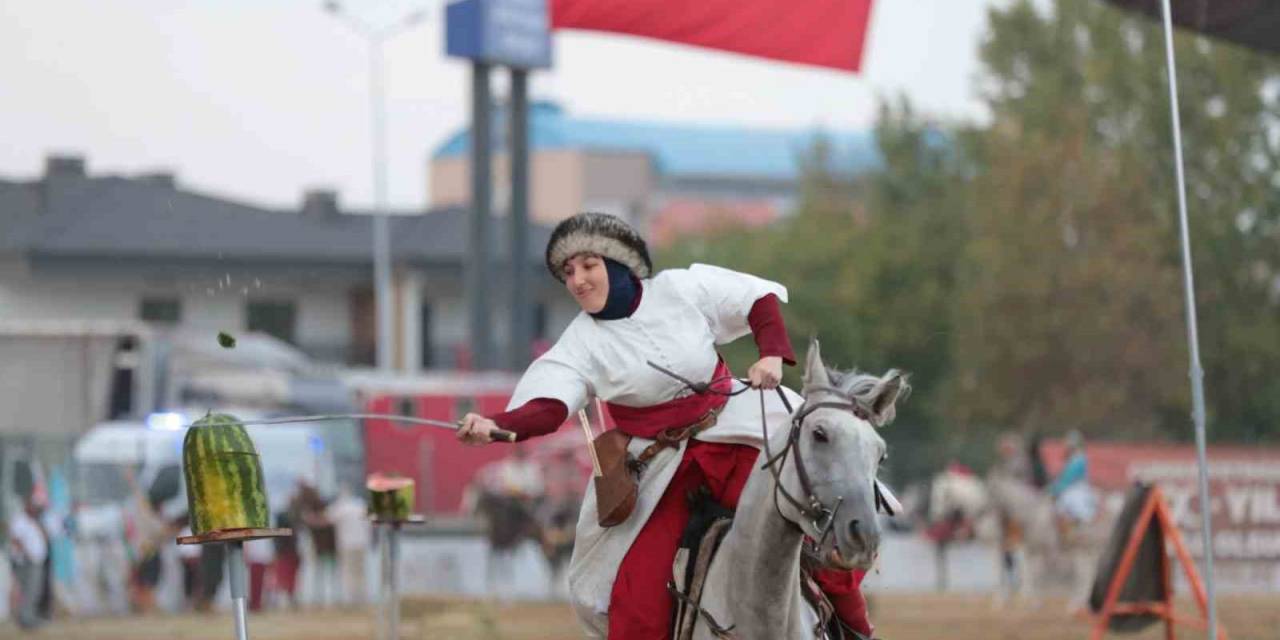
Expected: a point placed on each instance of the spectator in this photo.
(258, 554)
(287, 561)
(189, 555)
(519, 476)
(351, 521)
(308, 508)
(28, 550)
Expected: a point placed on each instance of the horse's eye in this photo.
(820, 434)
(884, 457)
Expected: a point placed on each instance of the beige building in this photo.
(567, 180)
(670, 179)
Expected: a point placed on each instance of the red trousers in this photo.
(640, 607)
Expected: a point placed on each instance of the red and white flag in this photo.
(824, 33)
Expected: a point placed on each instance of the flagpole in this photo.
(1193, 339)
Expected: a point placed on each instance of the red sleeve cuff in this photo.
(769, 331)
(537, 417)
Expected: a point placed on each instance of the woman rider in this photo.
(674, 319)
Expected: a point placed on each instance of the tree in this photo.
(1076, 176)
(1026, 270)
(869, 262)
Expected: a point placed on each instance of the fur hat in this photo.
(601, 234)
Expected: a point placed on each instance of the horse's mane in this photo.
(863, 387)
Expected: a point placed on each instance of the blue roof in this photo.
(682, 149)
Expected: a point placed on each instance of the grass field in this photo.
(897, 617)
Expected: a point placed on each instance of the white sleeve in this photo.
(725, 298)
(557, 374)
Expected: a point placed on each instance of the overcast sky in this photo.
(260, 99)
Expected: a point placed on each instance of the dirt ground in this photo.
(897, 617)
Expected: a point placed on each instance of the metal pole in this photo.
(382, 286)
(235, 573)
(1193, 339)
(384, 553)
(393, 531)
(521, 316)
(478, 280)
(381, 231)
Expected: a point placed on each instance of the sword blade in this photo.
(498, 434)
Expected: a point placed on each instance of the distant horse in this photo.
(954, 510)
(1022, 522)
(1048, 538)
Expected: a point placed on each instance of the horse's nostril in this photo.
(854, 531)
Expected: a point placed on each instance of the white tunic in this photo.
(683, 315)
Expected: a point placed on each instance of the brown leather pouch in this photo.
(616, 488)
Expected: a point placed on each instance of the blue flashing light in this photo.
(316, 443)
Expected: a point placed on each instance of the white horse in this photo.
(1022, 523)
(820, 483)
(1048, 540)
(956, 506)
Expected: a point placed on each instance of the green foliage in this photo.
(869, 264)
(1027, 270)
(1079, 151)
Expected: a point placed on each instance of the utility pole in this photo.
(375, 38)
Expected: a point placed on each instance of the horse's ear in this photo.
(815, 372)
(892, 387)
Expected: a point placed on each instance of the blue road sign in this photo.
(515, 33)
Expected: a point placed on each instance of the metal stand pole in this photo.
(393, 579)
(384, 585)
(389, 625)
(1193, 339)
(235, 572)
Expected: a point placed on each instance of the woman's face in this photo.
(587, 280)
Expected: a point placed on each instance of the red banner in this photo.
(824, 33)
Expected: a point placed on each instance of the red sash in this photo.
(647, 422)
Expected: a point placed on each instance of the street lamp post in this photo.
(375, 38)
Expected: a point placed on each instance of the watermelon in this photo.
(390, 497)
(225, 488)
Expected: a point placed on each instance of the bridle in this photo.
(820, 515)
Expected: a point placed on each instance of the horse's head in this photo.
(838, 449)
